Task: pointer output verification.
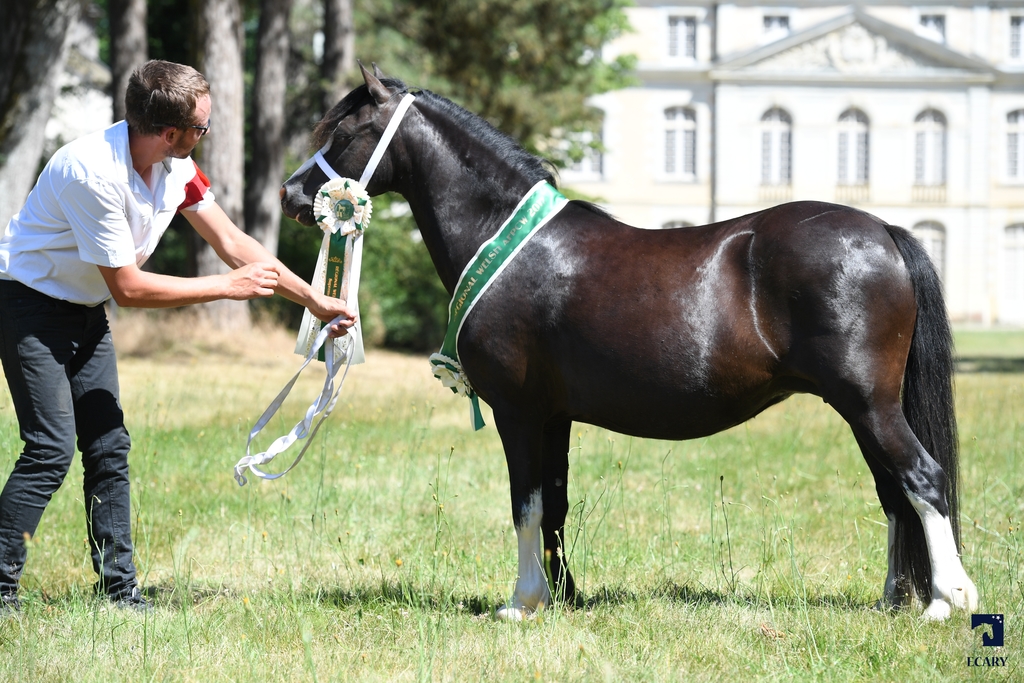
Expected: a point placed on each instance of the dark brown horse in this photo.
(673, 334)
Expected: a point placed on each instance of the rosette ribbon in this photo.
(539, 206)
(342, 208)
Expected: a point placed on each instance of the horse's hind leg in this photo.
(899, 589)
(923, 551)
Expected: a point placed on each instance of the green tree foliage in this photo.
(527, 66)
(405, 304)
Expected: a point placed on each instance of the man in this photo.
(94, 216)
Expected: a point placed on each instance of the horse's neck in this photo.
(459, 193)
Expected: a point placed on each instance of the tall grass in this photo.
(755, 554)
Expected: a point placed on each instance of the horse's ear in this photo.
(377, 72)
(377, 90)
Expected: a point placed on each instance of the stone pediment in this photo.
(850, 50)
(854, 46)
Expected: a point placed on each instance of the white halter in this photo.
(378, 153)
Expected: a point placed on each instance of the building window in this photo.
(933, 237)
(1015, 145)
(1012, 304)
(853, 148)
(681, 143)
(776, 26)
(587, 146)
(682, 37)
(1016, 38)
(776, 147)
(930, 148)
(933, 27)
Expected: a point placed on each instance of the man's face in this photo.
(189, 137)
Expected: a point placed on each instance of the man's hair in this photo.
(162, 94)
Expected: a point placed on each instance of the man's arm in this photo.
(237, 249)
(133, 287)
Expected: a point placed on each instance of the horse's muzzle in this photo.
(297, 206)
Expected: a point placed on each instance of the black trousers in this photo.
(59, 361)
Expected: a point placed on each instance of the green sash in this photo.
(539, 206)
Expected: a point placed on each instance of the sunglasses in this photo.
(203, 130)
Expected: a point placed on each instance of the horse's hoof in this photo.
(962, 595)
(883, 605)
(937, 610)
(971, 597)
(965, 597)
(510, 613)
(519, 612)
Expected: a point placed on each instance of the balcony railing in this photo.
(775, 194)
(928, 194)
(852, 194)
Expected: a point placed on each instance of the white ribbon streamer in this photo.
(352, 351)
(322, 406)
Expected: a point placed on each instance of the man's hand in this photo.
(252, 281)
(238, 249)
(328, 308)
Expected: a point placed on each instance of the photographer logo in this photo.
(993, 639)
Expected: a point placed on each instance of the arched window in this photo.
(1011, 309)
(853, 148)
(681, 143)
(933, 236)
(1015, 145)
(930, 148)
(776, 150)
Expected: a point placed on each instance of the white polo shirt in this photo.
(90, 207)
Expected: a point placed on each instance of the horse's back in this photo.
(755, 277)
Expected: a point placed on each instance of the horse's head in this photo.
(347, 137)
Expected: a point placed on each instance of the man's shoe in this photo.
(133, 600)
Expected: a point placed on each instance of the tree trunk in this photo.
(33, 48)
(266, 125)
(339, 51)
(222, 151)
(128, 47)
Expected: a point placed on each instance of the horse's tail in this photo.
(928, 407)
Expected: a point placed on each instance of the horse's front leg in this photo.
(556, 505)
(523, 441)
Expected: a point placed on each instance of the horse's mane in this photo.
(505, 146)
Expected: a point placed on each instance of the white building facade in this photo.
(913, 112)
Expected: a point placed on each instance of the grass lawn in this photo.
(975, 343)
(752, 555)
